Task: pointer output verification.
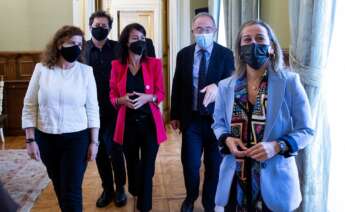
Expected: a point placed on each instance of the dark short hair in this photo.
(101, 14)
(51, 54)
(124, 37)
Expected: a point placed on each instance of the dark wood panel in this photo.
(14, 95)
(16, 69)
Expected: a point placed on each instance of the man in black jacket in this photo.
(99, 53)
(199, 68)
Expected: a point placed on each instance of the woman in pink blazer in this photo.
(136, 89)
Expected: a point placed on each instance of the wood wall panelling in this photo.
(16, 68)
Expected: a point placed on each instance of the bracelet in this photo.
(29, 140)
(117, 101)
(154, 98)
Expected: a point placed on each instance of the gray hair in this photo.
(276, 60)
(204, 14)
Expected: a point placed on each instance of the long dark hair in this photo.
(51, 54)
(123, 39)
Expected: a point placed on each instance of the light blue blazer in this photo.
(288, 114)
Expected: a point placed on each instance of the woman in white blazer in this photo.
(261, 119)
(61, 116)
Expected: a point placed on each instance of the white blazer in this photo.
(61, 101)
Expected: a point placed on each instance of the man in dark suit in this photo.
(199, 68)
(99, 53)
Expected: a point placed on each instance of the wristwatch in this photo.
(283, 147)
(154, 98)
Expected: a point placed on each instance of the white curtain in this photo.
(334, 86)
(311, 25)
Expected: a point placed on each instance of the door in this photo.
(144, 18)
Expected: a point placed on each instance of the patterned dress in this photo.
(248, 124)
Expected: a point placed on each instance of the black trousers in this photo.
(65, 157)
(232, 203)
(110, 160)
(197, 139)
(140, 148)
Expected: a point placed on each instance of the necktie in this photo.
(202, 82)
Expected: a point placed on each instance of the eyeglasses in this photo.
(201, 30)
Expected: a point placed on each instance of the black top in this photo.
(100, 60)
(136, 83)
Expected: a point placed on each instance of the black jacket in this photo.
(221, 66)
(100, 60)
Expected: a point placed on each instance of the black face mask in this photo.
(138, 47)
(70, 54)
(255, 55)
(99, 33)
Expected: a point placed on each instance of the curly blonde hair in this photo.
(50, 56)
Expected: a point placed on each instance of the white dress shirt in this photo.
(61, 100)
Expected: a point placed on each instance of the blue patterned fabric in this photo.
(248, 124)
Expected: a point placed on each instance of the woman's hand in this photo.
(236, 147)
(263, 150)
(92, 152)
(142, 99)
(33, 151)
(126, 100)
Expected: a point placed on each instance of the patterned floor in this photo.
(168, 190)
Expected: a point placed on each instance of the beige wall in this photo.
(195, 4)
(27, 25)
(276, 14)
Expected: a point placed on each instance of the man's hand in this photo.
(210, 94)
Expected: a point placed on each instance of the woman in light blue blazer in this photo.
(261, 119)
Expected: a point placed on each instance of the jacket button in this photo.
(263, 165)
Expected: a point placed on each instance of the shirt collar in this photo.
(92, 45)
(208, 49)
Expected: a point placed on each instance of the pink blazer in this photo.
(154, 84)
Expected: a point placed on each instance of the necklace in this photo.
(254, 87)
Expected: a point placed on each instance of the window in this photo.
(335, 97)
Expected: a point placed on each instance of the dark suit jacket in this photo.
(150, 48)
(221, 66)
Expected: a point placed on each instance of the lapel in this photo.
(211, 70)
(146, 76)
(123, 79)
(189, 61)
(229, 95)
(276, 90)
